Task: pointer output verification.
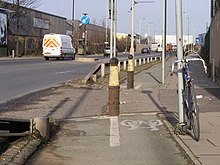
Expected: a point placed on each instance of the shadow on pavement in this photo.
(169, 116)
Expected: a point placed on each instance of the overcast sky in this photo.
(197, 13)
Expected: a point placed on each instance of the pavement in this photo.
(143, 133)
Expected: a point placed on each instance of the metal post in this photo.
(130, 72)
(73, 22)
(111, 29)
(114, 88)
(132, 28)
(180, 57)
(115, 25)
(164, 39)
(85, 44)
(18, 27)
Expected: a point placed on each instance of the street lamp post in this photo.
(73, 8)
(113, 17)
(133, 3)
(164, 40)
(132, 28)
(130, 76)
(18, 27)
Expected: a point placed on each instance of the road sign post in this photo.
(85, 20)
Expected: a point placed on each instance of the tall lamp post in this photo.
(164, 39)
(130, 71)
(113, 29)
(73, 10)
(133, 3)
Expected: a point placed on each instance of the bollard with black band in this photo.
(130, 72)
(114, 88)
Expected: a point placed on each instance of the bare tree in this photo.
(18, 13)
(24, 3)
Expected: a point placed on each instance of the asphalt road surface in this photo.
(19, 77)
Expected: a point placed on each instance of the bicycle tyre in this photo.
(187, 101)
(194, 114)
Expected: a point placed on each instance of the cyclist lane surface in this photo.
(142, 133)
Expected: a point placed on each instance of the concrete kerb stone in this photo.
(21, 151)
(178, 139)
(86, 59)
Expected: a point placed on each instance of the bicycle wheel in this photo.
(187, 104)
(194, 114)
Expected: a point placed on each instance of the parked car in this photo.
(145, 50)
(107, 52)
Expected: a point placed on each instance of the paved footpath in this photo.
(138, 135)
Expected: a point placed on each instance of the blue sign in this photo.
(85, 20)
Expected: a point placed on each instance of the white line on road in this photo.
(114, 132)
(138, 86)
(68, 71)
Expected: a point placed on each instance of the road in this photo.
(24, 76)
(20, 77)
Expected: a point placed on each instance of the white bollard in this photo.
(148, 60)
(139, 61)
(135, 62)
(94, 77)
(144, 61)
(125, 65)
(13, 53)
(102, 70)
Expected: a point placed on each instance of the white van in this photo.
(58, 46)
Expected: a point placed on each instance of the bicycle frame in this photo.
(186, 80)
(191, 109)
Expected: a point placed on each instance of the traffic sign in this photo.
(85, 20)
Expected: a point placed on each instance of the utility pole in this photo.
(130, 72)
(73, 22)
(111, 29)
(179, 30)
(113, 18)
(164, 39)
(132, 28)
(18, 26)
(115, 25)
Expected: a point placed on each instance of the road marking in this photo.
(134, 124)
(114, 132)
(199, 96)
(138, 86)
(68, 71)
